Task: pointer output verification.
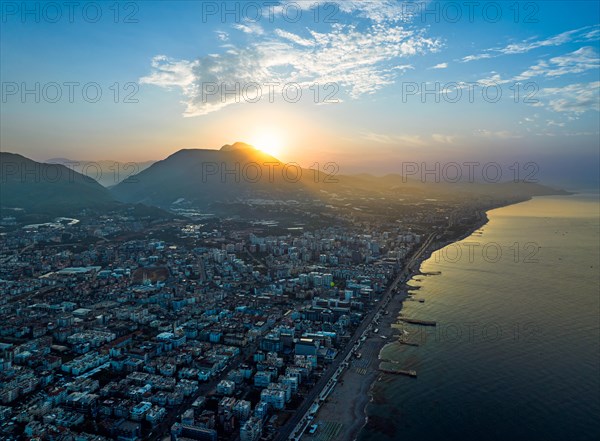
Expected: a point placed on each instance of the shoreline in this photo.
(344, 414)
(436, 246)
(403, 288)
(394, 313)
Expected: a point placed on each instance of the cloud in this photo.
(294, 38)
(168, 73)
(249, 28)
(222, 35)
(443, 139)
(581, 60)
(574, 98)
(588, 33)
(378, 11)
(440, 66)
(403, 67)
(475, 57)
(406, 140)
(359, 61)
(502, 134)
(493, 80)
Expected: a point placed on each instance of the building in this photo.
(225, 387)
(242, 410)
(251, 430)
(306, 346)
(276, 398)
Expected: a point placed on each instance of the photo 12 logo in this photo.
(253, 172)
(254, 92)
(240, 12)
(69, 12)
(69, 91)
(490, 252)
(453, 92)
(469, 172)
(474, 332)
(471, 11)
(68, 171)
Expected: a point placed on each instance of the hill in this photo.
(47, 188)
(107, 173)
(203, 176)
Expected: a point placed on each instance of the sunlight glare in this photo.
(268, 141)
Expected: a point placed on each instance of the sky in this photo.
(368, 85)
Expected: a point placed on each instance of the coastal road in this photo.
(293, 423)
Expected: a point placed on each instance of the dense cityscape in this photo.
(221, 332)
(292, 220)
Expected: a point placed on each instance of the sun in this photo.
(268, 141)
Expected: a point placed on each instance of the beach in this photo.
(343, 414)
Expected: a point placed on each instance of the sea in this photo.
(515, 354)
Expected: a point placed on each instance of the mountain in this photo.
(47, 188)
(237, 180)
(107, 173)
(237, 173)
(203, 176)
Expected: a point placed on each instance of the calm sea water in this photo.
(515, 355)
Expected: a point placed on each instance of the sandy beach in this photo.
(343, 415)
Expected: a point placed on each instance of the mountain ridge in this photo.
(43, 187)
(234, 173)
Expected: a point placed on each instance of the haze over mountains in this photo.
(108, 173)
(41, 187)
(206, 179)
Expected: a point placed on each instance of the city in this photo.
(222, 332)
(299, 220)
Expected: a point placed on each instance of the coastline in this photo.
(391, 318)
(379, 424)
(403, 294)
(344, 414)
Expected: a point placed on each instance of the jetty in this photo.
(418, 322)
(407, 343)
(409, 373)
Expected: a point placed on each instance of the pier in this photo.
(418, 322)
(407, 343)
(409, 373)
